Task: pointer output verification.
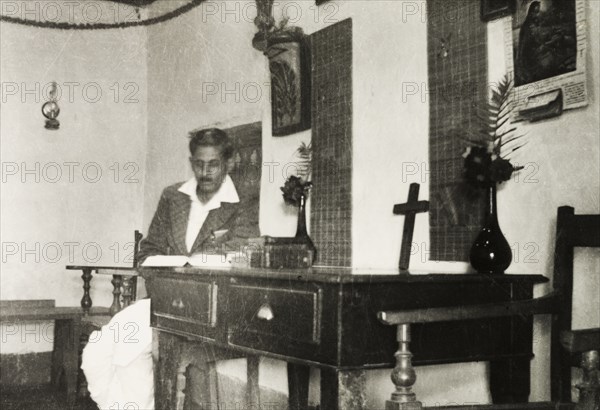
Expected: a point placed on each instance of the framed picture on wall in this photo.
(289, 65)
(493, 9)
(546, 55)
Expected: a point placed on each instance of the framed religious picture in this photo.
(493, 9)
(289, 65)
(545, 48)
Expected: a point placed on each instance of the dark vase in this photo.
(301, 232)
(490, 252)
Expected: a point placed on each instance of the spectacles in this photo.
(211, 166)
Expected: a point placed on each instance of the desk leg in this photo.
(186, 375)
(510, 381)
(298, 378)
(166, 372)
(343, 389)
(252, 386)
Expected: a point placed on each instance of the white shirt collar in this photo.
(226, 193)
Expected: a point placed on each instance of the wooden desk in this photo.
(327, 317)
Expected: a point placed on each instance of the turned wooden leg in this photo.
(298, 379)
(116, 304)
(133, 288)
(403, 375)
(589, 388)
(86, 301)
(183, 387)
(127, 290)
(343, 389)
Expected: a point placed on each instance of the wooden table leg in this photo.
(116, 281)
(71, 358)
(343, 389)
(58, 351)
(127, 290)
(198, 362)
(510, 381)
(86, 301)
(252, 386)
(298, 378)
(166, 372)
(186, 374)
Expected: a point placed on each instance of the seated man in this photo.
(201, 215)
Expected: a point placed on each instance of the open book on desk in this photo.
(200, 260)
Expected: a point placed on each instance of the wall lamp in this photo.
(50, 109)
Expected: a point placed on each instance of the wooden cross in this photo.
(409, 209)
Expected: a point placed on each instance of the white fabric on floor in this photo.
(117, 361)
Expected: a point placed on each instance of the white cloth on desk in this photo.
(117, 361)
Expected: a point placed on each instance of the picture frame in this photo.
(546, 78)
(494, 9)
(289, 66)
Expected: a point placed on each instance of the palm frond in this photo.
(511, 139)
(516, 148)
(304, 152)
(495, 117)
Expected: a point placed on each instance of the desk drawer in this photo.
(274, 313)
(192, 302)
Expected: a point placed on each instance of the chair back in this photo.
(136, 247)
(571, 231)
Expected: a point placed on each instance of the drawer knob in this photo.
(178, 303)
(265, 312)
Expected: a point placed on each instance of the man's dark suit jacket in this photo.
(166, 235)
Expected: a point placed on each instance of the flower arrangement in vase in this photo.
(487, 164)
(296, 189)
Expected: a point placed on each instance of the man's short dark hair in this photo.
(212, 137)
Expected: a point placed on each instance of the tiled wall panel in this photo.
(331, 207)
(457, 60)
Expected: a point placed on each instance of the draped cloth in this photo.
(117, 361)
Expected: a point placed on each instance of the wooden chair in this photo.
(124, 281)
(571, 231)
(567, 345)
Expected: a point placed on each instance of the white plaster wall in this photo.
(65, 218)
(202, 72)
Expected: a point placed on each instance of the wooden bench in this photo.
(571, 231)
(67, 330)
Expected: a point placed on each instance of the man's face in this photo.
(210, 170)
